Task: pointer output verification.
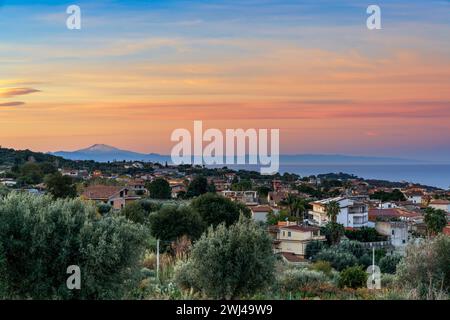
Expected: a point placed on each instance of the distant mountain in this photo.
(105, 153)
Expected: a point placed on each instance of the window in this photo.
(289, 234)
(393, 232)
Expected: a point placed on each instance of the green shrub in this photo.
(40, 237)
(425, 268)
(353, 277)
(322, 266)
(338, 259)
(294, 279)
(231, 262)
(388, 264)
(313, 248)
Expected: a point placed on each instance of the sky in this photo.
(137, 70)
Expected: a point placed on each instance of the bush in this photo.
(227, 263)
(215, 209)
(338, 259)
(353, 247)
(353, 277)
(159, 189)
(313, 248)
(322, 266)
(388, 264)
(40, 238)
(294, 279)
(425, 268)
(172, 222)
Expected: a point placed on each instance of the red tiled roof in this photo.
(440, 201)
(261, 209)
(392, 213)
(447, 230)
(101, 191)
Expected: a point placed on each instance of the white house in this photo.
(414, 196)
(352, 214)
(440, 204)
(259, 213)
(396, 231)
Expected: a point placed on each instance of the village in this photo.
(293, 209)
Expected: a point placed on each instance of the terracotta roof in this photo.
(101, 191)
(447, 230)
(261, 209)
(440, 201)
(392, 213)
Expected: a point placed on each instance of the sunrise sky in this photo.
(140, 69)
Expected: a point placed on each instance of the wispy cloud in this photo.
(12, 104)
(12, 92)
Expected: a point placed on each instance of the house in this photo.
(178, 189)
(137, 186)
(292, 238)
(353, 213)
(249, 198)
(446, 230)
(440, 204)
(8, 182)
(116, 196)
(259, 213)
(396, 231)
(274, 198)
(397, 214)
(415, 196)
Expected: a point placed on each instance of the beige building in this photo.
(293, 238)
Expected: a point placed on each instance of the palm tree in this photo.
(333, 208)
(296, 206)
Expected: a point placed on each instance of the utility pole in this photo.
(157, 259)
(373, 265)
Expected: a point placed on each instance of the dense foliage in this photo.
(40, 238)
(215, 209)
(231, 262)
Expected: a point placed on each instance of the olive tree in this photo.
(227, 263)
(41, 237)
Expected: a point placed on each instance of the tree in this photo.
(338, 259)
(172, 222)
(227, 263)
(40, 238)
(197, 187)
(103, 208)
(60, 186)
(425, 268)
(242, 185)
(30, 173)
(353, 277)
(436, 220)
(313, 248)
(333, 231)
(333, 208)
(159, 189)
(3, 190)
(134, 212)
(388, 264)
(282, 215)
(215, 209)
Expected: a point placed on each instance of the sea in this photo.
(434, 175)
